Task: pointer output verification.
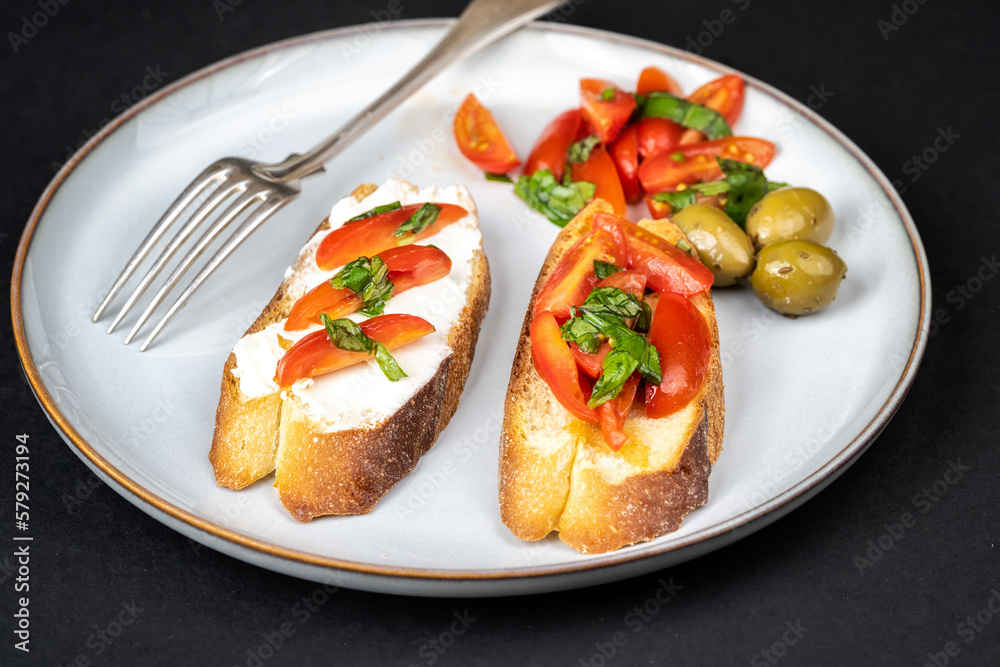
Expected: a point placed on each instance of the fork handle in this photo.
(482, 23)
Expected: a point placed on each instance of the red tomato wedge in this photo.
(600, 170)
(314, 354)
(681, 336)
(481, 140)
(371, 236)
(606, 116)
(573, 277)
(724, 95)
(657, 209)
(613, 413)
(633, 282)
(625, 153)
(551, 148)
(655, 80)
(590, 363)
(696, 163)
(658, 135)
(409, 266)
(555, 364)
(667, 268)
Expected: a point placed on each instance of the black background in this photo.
(890, 95)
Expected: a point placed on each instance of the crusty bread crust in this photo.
(556, 473)
(344, 472)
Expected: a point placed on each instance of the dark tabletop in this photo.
(840, 581)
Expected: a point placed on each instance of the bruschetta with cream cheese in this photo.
(358, 361)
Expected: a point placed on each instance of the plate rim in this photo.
(702, 541)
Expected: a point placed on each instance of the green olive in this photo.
(790, 213)
(721, 244)
(797, 277)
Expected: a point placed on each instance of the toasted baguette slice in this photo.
(556, 472)
(322, 466)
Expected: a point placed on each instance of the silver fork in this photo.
(255, 191)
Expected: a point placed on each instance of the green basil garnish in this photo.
(604, 269)
(579, 151)
(385, 208)
(556, 201)
(347, 335)
(419, 221)
(688, 114)
(369, 279)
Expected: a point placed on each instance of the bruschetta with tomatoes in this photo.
(358, 361)
(614, 411)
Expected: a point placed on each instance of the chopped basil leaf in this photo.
(608, 94)
(645, 318)
(347, 335)
(500, 178)
(683, 245)
(558, 202)
(677, 200)
(613, 301)
(772, 186)
(580, 151)
(385, 208)
(387, 363)
(604, 269)
(688, 114)
(369, 279)
(419, 221)
(603, 317)
(747, 186)
(640, 101)
(584, 333)
(617, 367)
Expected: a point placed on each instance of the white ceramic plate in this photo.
(804, 398)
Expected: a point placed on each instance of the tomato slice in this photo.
(480, 138)
(724, 95)
(590, 362)
(314, 354)
(655, 80)
(551, 148)
(681, 336)
(625, 153)
(600, 170)
(658, 135)
(613, 413)
(657, 209)
(409, 266)
(573, 277)
(696, 163)
(607, 116)
(667, 268)
(371, 236)
(555, 364)
(633, 282)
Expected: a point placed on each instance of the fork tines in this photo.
(232, 185)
